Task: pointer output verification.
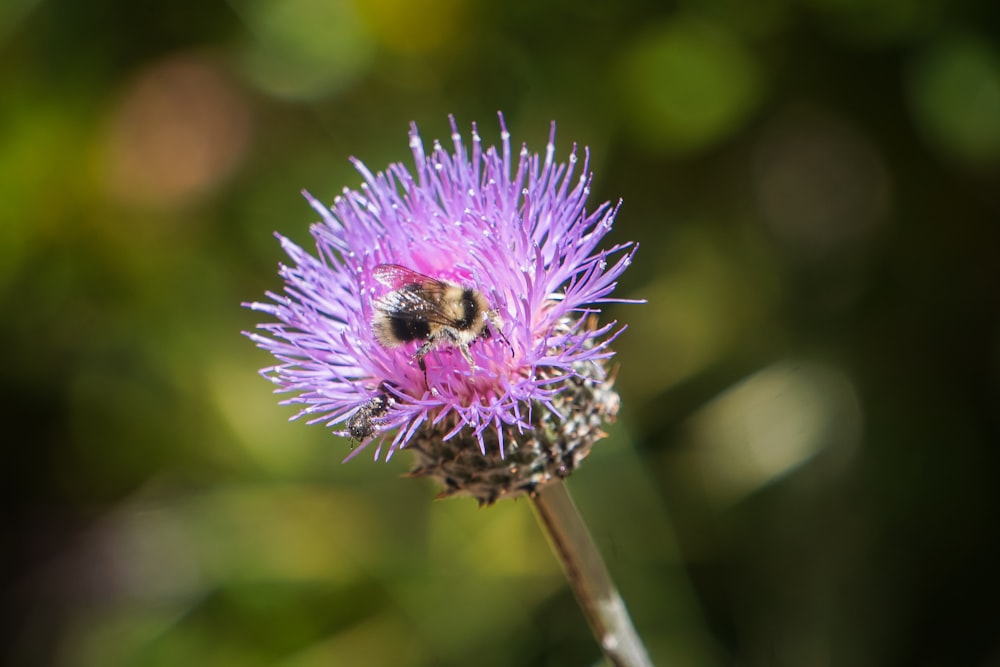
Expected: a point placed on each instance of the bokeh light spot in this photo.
(180, 129)
(770, 424)
(12, 13)
(414, 26)
(705, 304)
(823, 187)
(262, 433)
(304, 49)
(954, 95)
(688, 84)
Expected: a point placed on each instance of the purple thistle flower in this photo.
(514, 232)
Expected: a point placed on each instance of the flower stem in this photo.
(601, 603)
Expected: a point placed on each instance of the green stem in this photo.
(601, 603)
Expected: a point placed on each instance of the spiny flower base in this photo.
(552, 451)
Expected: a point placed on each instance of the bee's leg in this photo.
(468, 356)
(419, 356)
(463, 346)
(494, 319)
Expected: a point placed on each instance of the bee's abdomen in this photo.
(409, 328)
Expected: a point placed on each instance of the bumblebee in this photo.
(435, 312)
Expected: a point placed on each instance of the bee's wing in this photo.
(415, 302)
(407, 300)
(396, 276)
(415, 296)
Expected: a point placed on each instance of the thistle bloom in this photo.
(523, 403)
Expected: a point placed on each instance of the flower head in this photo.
(453, 309)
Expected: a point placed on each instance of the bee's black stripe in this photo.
(469, 310)
(408, 328)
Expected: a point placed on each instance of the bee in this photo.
(366, 421)
(436, 312)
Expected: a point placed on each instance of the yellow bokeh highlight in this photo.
(414, 26)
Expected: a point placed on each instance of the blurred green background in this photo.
(805, 471)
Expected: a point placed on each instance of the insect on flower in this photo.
(366, 421)
(437, 312)
(447, 264)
